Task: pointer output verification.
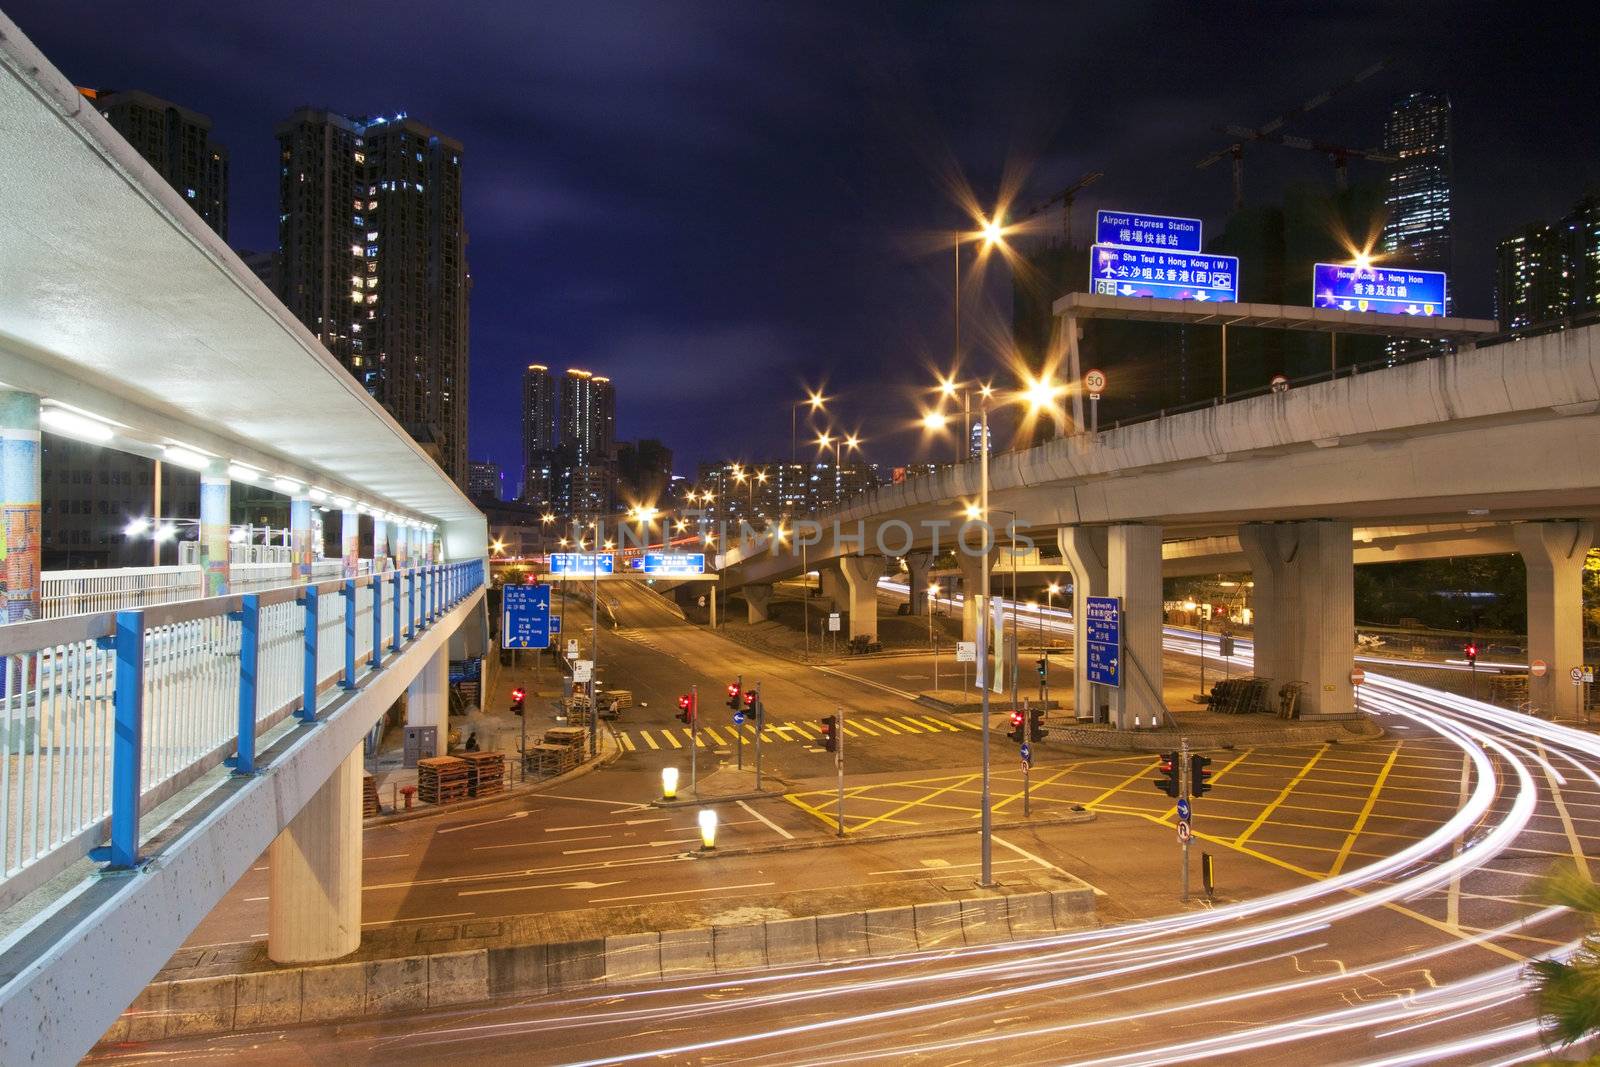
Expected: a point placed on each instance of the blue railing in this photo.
(105, 715)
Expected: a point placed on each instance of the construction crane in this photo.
(1066, 197)
(1269, 131)
(1339, 154)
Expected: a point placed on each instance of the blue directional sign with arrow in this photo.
(1389, 290)
(1103, 640)
(525, 616)
(1166, 273)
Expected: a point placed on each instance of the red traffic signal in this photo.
(1015, 733)
(1199, 777)
(829, 728)
(749, 697)
(1471, 651)
(1170, 781)
(519, 695)
(686, 709)
(733, 695)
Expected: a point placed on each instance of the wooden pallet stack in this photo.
(486, 773)
(369, 797)
(441, 780)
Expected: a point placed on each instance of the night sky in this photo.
(718, 203)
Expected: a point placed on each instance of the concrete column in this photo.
(300, 535)
(757, 599)
(832, 585)
(216, 514)
(350, 541)
(1305, 620)
(918, 564)
(971, 589)
(861, 574)
(1553, 553)
(380, 543)
(1133, 572)
(314, 903)
(1084, 550)
(428, 697)
(19, 485)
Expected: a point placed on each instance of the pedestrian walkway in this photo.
(805, 732)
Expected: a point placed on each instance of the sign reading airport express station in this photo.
(1170, 275)
(1128, 229)
(1390, 290)
(674, 564)
(582, 562)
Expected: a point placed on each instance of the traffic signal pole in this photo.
(838, 763)
(758, 714)
(694, 740)
(1183, 765)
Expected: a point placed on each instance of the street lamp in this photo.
(815, 401)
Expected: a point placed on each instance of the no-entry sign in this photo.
(1358, 676)
(1538, 668)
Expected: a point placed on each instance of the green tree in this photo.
(1569, 990)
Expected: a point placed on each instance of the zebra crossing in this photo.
(726, 735)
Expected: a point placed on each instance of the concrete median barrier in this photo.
(287, 996)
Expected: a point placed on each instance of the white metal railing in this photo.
(104, 714)
(81, 592)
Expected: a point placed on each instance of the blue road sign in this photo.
(1103, 640)
(525, 616)
(582, 562)
(1183, 809)
(738, 718)
(555, 624)
(1129, 228)
(1027, 753)
(1164, 273)
(1390, 290)
(668, 564)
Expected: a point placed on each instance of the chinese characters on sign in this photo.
(1391, 290)
(582, 562)
(1103, 639)
(525, 616)
(1130, 230)
(1170, 275)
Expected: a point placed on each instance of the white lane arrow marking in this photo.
(489, 822)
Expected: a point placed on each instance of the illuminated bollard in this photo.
(708, 829)
(669, 783)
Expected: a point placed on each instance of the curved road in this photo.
(1419, 957)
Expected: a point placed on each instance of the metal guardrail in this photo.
(76, 592)
(106, 714)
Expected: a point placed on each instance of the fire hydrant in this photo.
(408, 791)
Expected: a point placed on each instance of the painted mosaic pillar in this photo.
(216, 514)
(402, 545)
(350, 540)
(380, 543)
(19, 483)
(300, 536)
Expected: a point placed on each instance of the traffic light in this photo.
(829, 728)
(1199, 777)
(1170, 781)
(733, 694)
(686, 709)
(1043, 664)
(1036, 724)
(518, 696)
(750, 698)
(1016, 726)
(1472, 653)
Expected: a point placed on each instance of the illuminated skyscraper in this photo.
(540, 433)
(373, 256)
(1418, 231)
(1548, 272)
(587, 472)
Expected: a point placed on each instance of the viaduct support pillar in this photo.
(1553, 553)
(350, 540)
(757, 599)
(314, 907)
(1133, 572)
(19, 485)
(861, 574)
(918, 564)
(1305, 609)
(428, 697)
(1084, 549)
(832, 585)
(971, 590)
(216, 513)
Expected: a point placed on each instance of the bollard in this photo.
(708, 829)
(669, 783)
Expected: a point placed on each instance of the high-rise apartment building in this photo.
(177, 143)
(540, 433)
(1418, 231)
(484, 479)
(588, 426)
(1549, 272)
(373, 261)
